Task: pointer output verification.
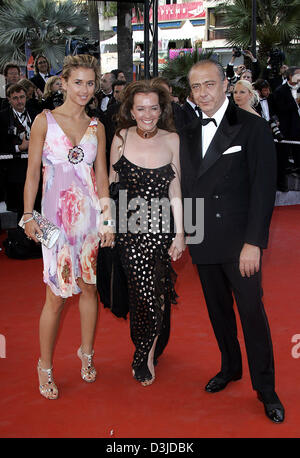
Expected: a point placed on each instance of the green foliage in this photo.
(278, 23)
(110, 9)
(44, 24)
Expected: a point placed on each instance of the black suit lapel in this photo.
(226, 132)
(194, 147)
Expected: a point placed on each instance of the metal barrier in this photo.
(25, 155)
(11, 156)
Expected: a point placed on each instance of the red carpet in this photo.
(176, 405)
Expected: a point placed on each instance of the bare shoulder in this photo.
(100, 127)
(40, 123)
(171, 139)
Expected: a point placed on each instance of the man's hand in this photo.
(249, 260)
(249, 54)
(24, 145)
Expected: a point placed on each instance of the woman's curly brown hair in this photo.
(124, 119)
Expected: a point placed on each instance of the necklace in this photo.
(146, 133)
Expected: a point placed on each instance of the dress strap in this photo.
(122, 147)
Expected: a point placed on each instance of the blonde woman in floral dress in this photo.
(69, 144)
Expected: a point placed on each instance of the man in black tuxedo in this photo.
(106, 92)
(41, 72)
(267, 110)
(230, 162)
(287, 107)
(110, 119)
(265, 107)
(190, 110)
(15, 125)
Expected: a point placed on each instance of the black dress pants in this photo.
(220, 282)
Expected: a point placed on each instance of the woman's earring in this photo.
(132, 117)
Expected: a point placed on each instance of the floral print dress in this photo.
(70, 201)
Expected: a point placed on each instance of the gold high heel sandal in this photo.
(88, 373)
(49, 389)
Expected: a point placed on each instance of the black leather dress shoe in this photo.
(273, 407)
(218, 382)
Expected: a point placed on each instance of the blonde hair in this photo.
(254, 94)
(48, 86)
(81, 61)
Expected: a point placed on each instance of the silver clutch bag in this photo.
(50, 231)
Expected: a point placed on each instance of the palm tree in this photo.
(278, 23)
(44, 25)
(124, 38)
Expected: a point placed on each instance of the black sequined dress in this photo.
(144, 255)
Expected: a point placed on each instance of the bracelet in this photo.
(27, 221)
(109, 222)
(28, 213)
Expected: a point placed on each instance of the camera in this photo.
(14, 134)
(76, 46)
(17, 136)
(58, 99)
(275, 129)
(276, 58)
(237, 52)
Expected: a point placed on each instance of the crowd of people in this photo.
(274, 95)
(218, 146)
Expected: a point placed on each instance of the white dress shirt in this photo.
(25, 122)
(210, 129)
(295, 94)
(45, 76)
(265, 109)
(104, 101)
(194, 106)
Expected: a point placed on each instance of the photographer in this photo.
(287, 107)
(275, 72)
(15, 125)
(235, 76)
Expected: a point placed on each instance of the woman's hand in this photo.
(31, 229)
(107, 236)
(177, 247)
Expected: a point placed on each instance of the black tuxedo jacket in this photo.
(100, 96)
(39, 82)
(270, 101)
(6, 118)
(189, 114)
(236, 179)
(16, 168)
(287, 111)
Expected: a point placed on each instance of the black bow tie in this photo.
(22, 116)
(205, 121)
(263, 99)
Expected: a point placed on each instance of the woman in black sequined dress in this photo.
(145, 160)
